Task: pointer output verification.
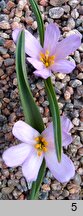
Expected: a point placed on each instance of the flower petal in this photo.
(66, 138)
(62, 171)
(32, 45)
(31, 166)
(45, 73)
(68, 124)
(48, 134)
(63, 66)
(67, 46)
(15, 34)
(25, 132)
(36, 63)
(16, 155)
(52, 35)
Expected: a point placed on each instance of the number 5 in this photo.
(74, 206)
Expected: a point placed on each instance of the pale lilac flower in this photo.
(52, 57)
(34, 147)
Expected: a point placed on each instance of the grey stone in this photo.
(80, 66)
(2, 119)
(57, 2)
(3, 50)
(1, 93)
(71, 23)
(2, 5)
(2, 40)
(78, 104)
(80, 76)
(23, 184)
(56, 12)
(80, 29)
(75, 83)
(4, 17)
(75, 13)
(81, 48)
(4, 25)
(59, 85)
(65, 193)
(7, 190)
(66, 8)
(73, 3)
(75, 121)
(79, 22)
(80, 91)
(77, 57)
(9, 62)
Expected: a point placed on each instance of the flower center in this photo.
(41, 145)
(47, 59)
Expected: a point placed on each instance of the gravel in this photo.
(56, 12)
(69, 89)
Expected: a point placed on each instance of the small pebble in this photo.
(75, 83)
(56, 12)
(80, 151)
(75, 121)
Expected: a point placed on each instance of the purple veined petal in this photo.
(31, 166)
(66, 124)
(62, 171)
(32, 45)
(45, 73)
(67, 46)
(36, 63)
(16, 155)
(66, 138)
(52, 35)
(25, 132)
(63, 66)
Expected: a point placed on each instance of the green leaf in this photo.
(39, 20)
(55, 116)
(31, 112)
(36, 185)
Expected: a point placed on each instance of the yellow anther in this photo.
(41, 59)
(39, 153)
(41, 145)
(42, 139)
(44, 149)
(46, 64)
(37, 146)
(47, 59)
(37, 139)
(45, 143)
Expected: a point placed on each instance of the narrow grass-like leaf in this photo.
(39, 20)
(36, 185)
(55, 116)
(31, 112)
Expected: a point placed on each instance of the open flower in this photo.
(52, 57)
(34, 147)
